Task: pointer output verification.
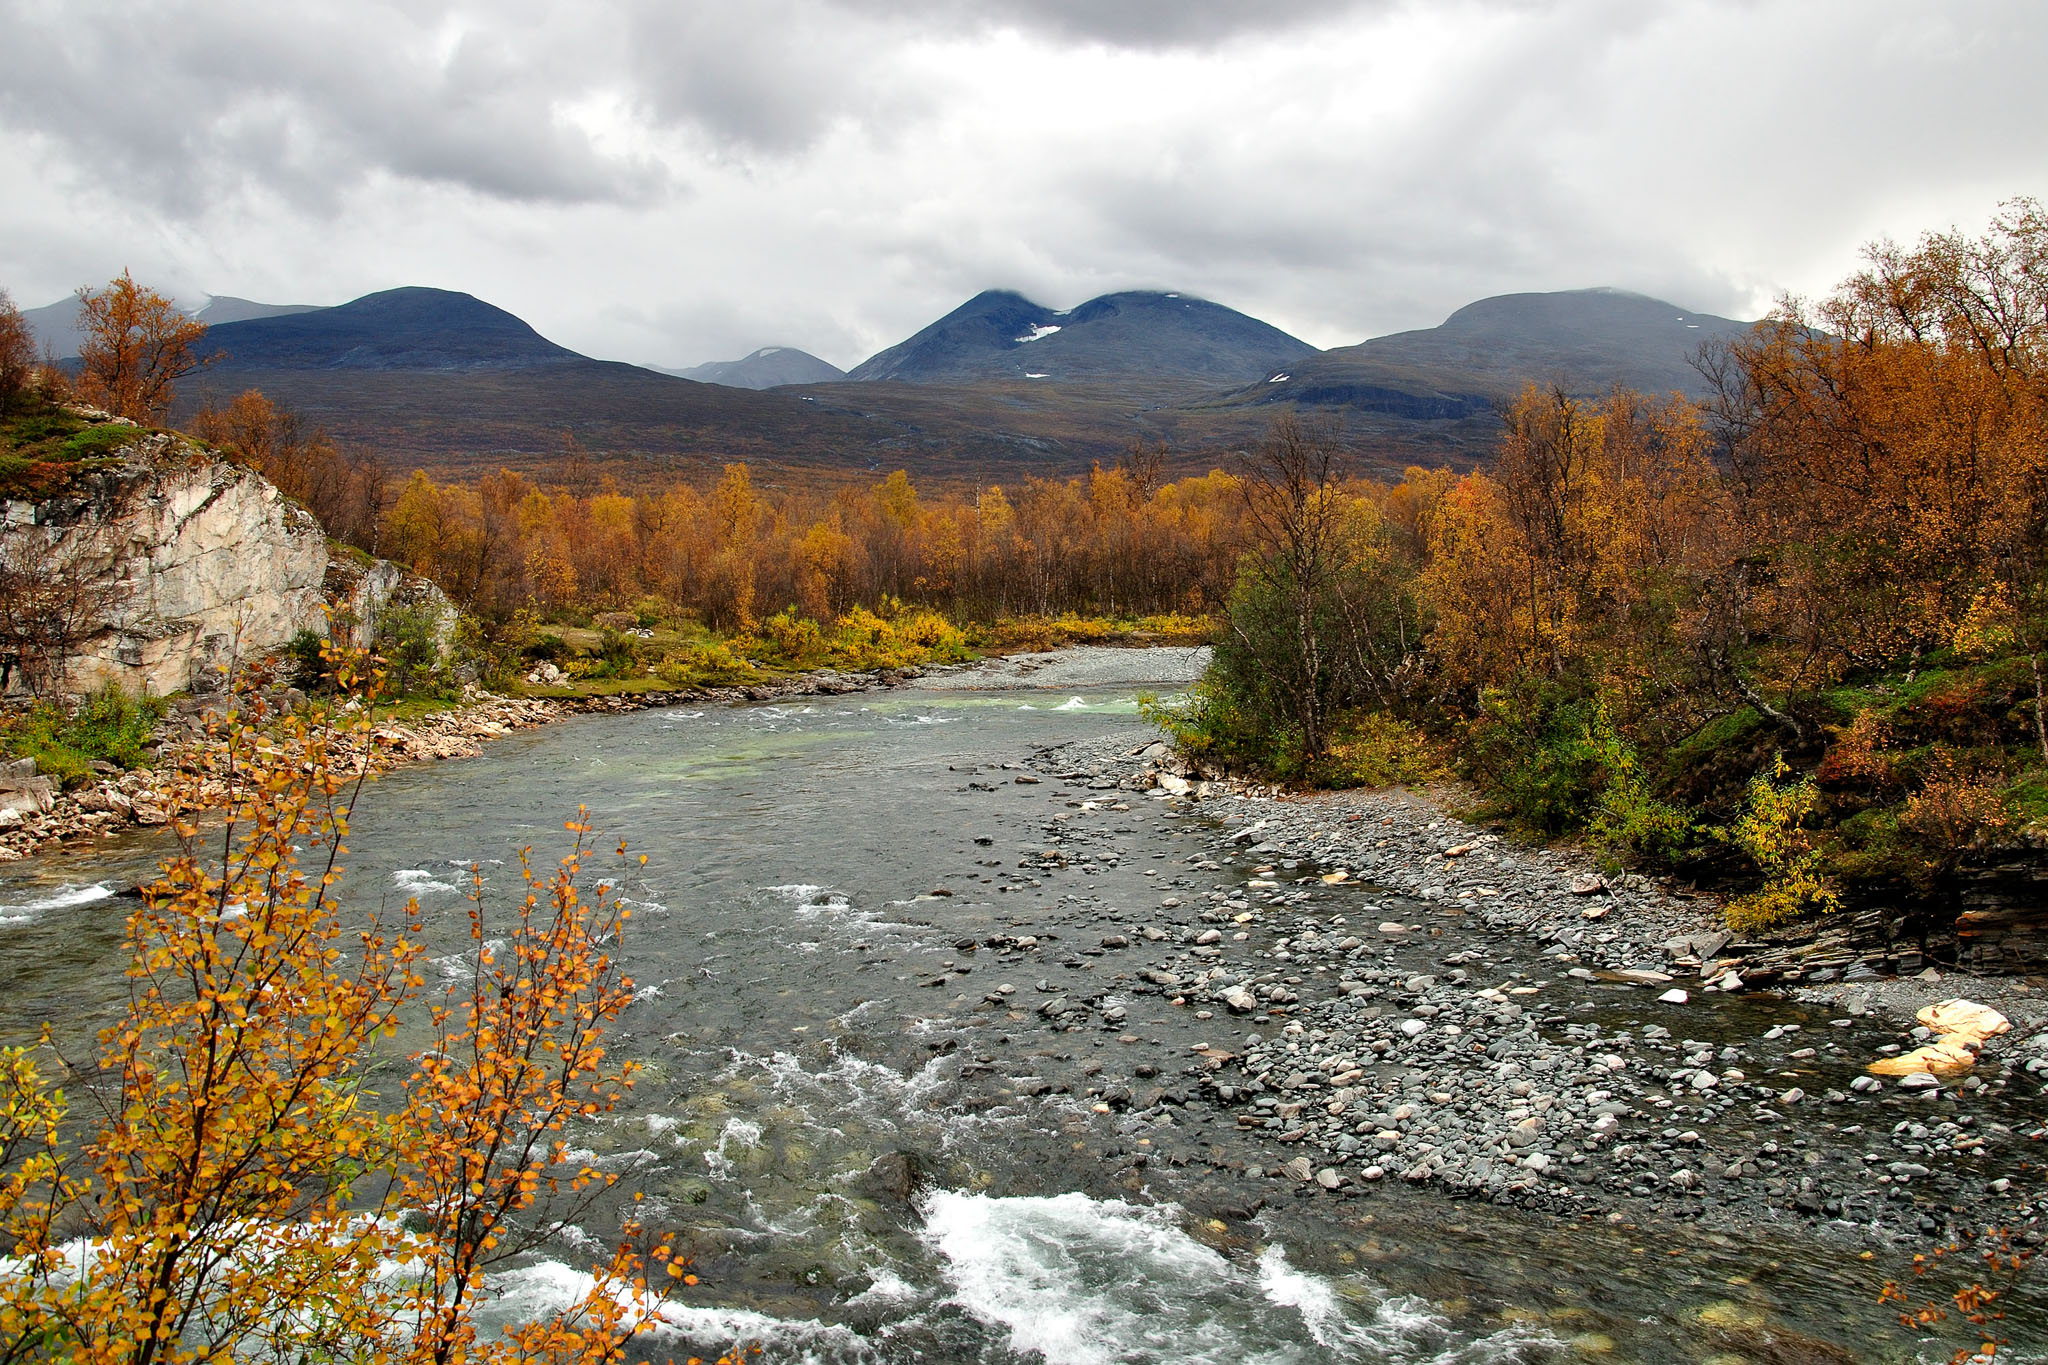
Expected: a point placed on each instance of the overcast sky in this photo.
(669, 181)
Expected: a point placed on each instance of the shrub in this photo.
(1770, 832)
(233, 1192)
(792, 638)
(1960, 807)
(307, 653)
(1628, 817)
(109, 725)
(617, 657)
(706, 663)
(1532, 750)
(408, 639)
(547, 647)
(1211, 727)
(1374, 749)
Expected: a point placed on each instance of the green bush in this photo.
(408, 640)
(109, 725)
(547, 647)
(1629, 818)
(1531, 749)
(1374, 749)
(1211, 725)
(307, 653)
(617, 657)
(1553, 762)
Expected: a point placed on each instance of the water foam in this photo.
(1101, 1282)
(550, 1287)
(63, 898)
(718, 1160)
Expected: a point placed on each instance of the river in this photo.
(818, 1041)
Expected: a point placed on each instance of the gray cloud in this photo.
(1144, 24)
(193, 101)
(682, 182)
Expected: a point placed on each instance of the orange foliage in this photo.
(134, 345)
(238, 1188)
(735, 553)
(17, 352)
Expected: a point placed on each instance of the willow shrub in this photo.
(1771, 832)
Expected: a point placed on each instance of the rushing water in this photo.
(804, 1011)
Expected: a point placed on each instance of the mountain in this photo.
(1138, 335)
(222, 308)
(398, 329)
(1587, 340)
(442, 380)
(767, 368)
(56, 325)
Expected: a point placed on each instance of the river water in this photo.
(817, 1044)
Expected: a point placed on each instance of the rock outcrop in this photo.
(361, 590)
(181, 562)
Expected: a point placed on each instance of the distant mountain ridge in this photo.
(411, 328)
(999, 387)
(768, 368)
(222, 308)
(1587, 340)
(55, 325)
(1000, 334)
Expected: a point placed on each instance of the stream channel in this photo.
(871, 1160)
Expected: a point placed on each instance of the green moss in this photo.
(2029, 796)
(99, 440)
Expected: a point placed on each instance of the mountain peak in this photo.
(409, 328)
(1587, 340)
(768, 368)
(1001, 335)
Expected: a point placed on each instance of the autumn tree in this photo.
(344, 490)
(736, 519)
(134, 346)
(236, 1180)
(17, 353)
(1890, 444)
(1290, 483)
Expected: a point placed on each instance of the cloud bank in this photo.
(678, 183)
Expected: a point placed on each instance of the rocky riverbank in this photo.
(1396, 996)
(36, 816)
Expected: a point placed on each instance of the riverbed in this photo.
(910, 1096)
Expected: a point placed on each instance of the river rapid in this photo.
(859, 1124)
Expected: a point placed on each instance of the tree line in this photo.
(1118, 541)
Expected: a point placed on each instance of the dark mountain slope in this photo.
(1587, 340)
(1001, 335)
(398, 329)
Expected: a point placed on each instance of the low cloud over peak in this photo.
(686, 183)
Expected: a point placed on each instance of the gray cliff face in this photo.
(192, 564)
